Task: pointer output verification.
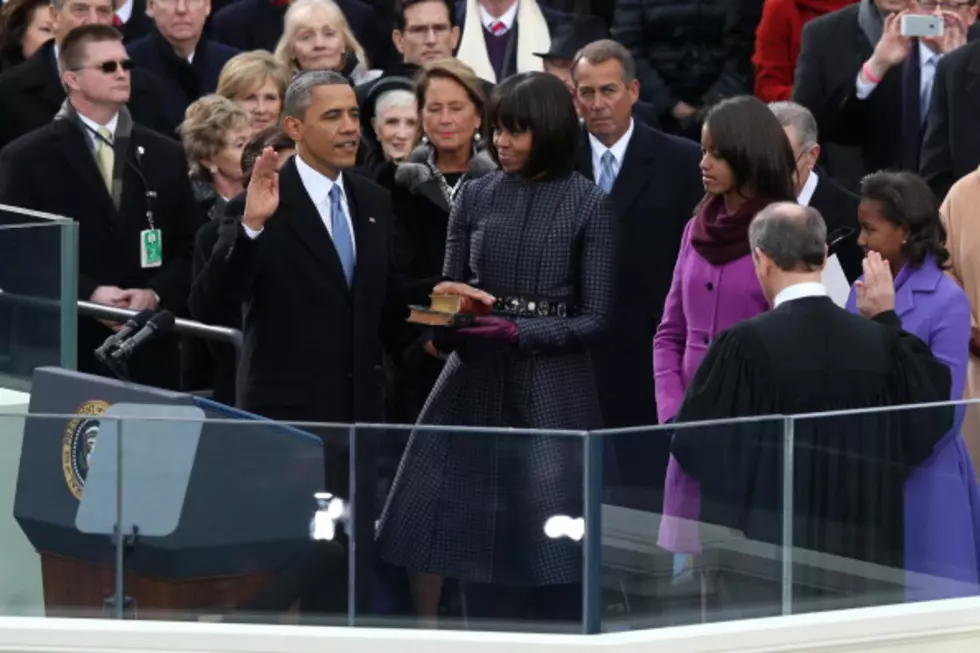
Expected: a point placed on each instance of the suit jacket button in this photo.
(710, 286)
(706, 340)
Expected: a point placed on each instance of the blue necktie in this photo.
(607, 171)
(341, 233)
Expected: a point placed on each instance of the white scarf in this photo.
(532, 36)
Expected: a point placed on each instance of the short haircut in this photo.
(273, 137)
(299, 95)
(797, 116)
(206, 122)
(751, 141)
(906, 201)
(454, 70)
(15, 17)
(247, 71)
(539, 103)
(398, 97)
(402, 5)
(605, 50)
(793, 236)
(300, 10)
(71, 55)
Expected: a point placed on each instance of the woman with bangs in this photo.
(535, 241)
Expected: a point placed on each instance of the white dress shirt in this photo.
(928, 60)
(618, 150)
(95, 127)
(799, 291)
(507, 18)
(810, 187)
(125, 11)
(318, 188)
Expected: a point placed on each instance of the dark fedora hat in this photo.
(378, 88)
(574, 35)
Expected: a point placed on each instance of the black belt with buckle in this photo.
(529, 307)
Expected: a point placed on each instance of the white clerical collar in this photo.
(799, 291)
(317, 185)
(507, 18)
(806, 193)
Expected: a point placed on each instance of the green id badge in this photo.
(151, 248)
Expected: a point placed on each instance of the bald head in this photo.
(793, 236)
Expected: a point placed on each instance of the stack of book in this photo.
(448, 311)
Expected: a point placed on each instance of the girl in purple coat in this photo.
(747, 163)
(900, 220)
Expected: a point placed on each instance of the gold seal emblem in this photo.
(78, 444)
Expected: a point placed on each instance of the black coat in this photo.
(31, 94)
(181, 82)
(951, 148)
(59, 158)
(138, 25)
(257, 25)
(654, 196)
(839, 208)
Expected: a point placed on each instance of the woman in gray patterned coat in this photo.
(536, 240)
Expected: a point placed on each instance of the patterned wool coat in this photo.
(473, 506)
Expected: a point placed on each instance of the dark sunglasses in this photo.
(109, 67)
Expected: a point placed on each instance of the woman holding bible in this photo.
(534, 240)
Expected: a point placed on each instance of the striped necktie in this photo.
(105, 156)
(607, 171)
(498, 28)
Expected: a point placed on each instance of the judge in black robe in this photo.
(809, 356)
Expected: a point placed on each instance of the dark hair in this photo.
(542, 104)
(273, 137)
(750, 139)
(402, 5)
(793, 236)
(72, 52)
(454, 70)
(906, 201)
(14, 20)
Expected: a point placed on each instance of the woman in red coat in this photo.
(777, 43)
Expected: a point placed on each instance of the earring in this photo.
(477, 138)
(213, 170)
(425, 139)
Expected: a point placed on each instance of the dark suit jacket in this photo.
(53, 169)
(31, 94)
(654, 196)
(839, 207)
(181, 81)
(951, 148)
(139, 24)
(257, 25)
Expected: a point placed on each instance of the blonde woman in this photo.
(316, 36)
(214, 133)
(256, 82)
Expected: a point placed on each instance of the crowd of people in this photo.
(643, 193)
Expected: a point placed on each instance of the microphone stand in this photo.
(118, 367)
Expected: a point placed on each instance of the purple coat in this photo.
(703, 301)
(942, 500)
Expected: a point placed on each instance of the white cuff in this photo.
(251, 233)
(862, 87)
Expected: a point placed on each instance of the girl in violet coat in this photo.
(747, 164)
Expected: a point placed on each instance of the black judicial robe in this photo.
(810, 356)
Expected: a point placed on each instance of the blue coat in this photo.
(182, 82)
(942, 500)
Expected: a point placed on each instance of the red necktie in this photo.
(498, 28)
(116, 21)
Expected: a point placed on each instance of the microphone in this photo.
(159, 323)
(131, 326)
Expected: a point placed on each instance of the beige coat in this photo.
(961, 216)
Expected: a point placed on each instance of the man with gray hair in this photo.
(809, 356)
(836, 204)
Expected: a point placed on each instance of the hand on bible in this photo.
(262, 195)
(876, 292)
(463, 290)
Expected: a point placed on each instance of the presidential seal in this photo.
(78, 444)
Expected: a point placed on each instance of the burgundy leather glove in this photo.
(492, 328)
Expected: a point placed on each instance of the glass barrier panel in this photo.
(695, 536)
(38, 291)
(476, 529)
(884, 508)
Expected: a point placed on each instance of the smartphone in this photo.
(921, 25)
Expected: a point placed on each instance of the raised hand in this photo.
(954, 34)
(892, 49)
(876, 292)
(262, 196)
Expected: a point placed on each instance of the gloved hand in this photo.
(492, 327)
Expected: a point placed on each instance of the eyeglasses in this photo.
(944, 5)
(109, 67)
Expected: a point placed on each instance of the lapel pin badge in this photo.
(371, 220)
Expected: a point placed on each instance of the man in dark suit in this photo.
(655, 183)
(837, 205)
(187, 63)
(867, 85)
(951, 147)
(257, 25)
(92, 164)
(31, 93)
